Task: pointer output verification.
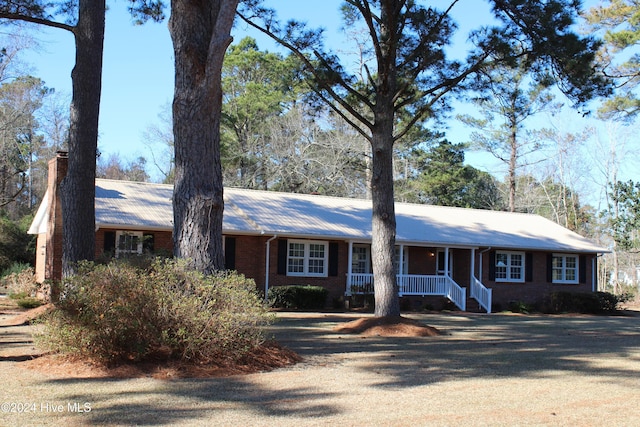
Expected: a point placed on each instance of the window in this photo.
(307, 258)
(564, 268)
(128, 243)
(509, 267)
(360, 259)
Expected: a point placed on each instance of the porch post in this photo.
(446, 262)
(473, 267)
(401, 271)
(349, 268)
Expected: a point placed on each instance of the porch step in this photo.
(474, 306)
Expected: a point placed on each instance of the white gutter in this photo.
(266, 267)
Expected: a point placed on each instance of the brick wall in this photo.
(534, 291)
(251, 257)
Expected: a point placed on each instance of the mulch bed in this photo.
(265, 358)
(391, 326)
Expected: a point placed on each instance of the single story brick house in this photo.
(284, 238)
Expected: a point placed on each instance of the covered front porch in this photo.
(423, 271)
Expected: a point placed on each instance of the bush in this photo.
(587, 303)
(297, 297)
(118, 312)
(20, 279)
(520, 307)
(29, 302)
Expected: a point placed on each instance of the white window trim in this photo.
(564, 281)
(307, 244)
(509, 266)
(138, 250)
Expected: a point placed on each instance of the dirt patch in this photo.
(388, 326)
(25, 317)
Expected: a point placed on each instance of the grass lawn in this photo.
(494, 369)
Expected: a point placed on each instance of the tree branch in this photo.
(36, 20)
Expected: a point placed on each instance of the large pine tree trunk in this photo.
(78, 187)
(383, 227)
(383, 222)
(200, 31)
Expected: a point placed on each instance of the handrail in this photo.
(412, 284)
(457, 294)
(481, 293)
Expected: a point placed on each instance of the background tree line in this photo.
(274, 138)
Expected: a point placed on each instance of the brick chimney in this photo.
(53, 261)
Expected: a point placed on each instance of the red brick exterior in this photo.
(249, 258)
(538, 288)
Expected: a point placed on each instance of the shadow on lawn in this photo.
(495, 346)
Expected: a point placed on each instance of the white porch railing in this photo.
(481, 294)
(413, 284)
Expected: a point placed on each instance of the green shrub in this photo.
(118, 312)
(577, 302)
(29, 302)
(297, 297)
(520, 307)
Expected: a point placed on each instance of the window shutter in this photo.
(230, 253)
(283, 247)
(492, 265)
(333, 259)
(110, 242)
(148, 243)
(550, 268)
(528, 267)
(582, 268)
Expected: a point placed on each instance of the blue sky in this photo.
(137, 76)
(138, 68)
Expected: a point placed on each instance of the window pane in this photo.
(570, 275)
(296, 249)
(316, 251)
(502, 260)
(557, 274)
(296, 265)
(316, 266)
(516, 259)
(359, 260)
(509, 266)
